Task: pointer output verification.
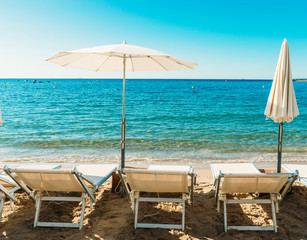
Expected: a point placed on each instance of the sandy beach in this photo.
(112, 217)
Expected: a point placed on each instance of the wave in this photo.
(163, 145)
(68, 143)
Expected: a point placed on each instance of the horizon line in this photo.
(231, 79)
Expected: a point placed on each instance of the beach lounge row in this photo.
(52, 182)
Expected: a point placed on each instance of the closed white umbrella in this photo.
(282, 106)
(120, 57)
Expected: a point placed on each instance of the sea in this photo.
(173, 121)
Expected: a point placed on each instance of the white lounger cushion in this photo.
(302, 171)
(170, 168)
(97, 173)
(233, 168)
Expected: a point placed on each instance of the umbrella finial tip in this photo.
(124, 42)
(285, 40)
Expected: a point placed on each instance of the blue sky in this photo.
(228, 39)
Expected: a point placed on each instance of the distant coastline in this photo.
(300, 80)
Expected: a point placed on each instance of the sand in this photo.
(112, 217)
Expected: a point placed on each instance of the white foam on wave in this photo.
(145, 157)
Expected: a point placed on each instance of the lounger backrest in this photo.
(263, 183)
(56, 180)
(155, 181)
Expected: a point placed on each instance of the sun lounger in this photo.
(251, 181)
(8, 186)
(158, 179)
(39, 182)
(234, 168)
(302, 171)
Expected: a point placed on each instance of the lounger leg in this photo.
(183, 213)
(276, 207)
(225, 216)
(1, 205)
(133, 205)
(133, 197)
(136, 213)
(274, 216)
(12, 205)
(38, 207)
(217, 188)
(192, 187)
(82, 210)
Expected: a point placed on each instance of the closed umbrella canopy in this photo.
(282, 106)
(120, 57)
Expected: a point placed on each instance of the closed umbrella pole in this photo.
(279, 147)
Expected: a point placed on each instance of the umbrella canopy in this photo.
(282, 106)
(120, 57)
(110, 58)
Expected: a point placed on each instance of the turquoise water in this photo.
(189, 121)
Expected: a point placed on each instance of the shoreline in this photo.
(146, 164)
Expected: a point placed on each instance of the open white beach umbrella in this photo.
(120, 57)
(282, 106)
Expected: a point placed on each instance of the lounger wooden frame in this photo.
(135, 188)
(81, 184)
(253, 183)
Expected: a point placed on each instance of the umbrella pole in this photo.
(279, 146)
(123, 135)
(123, 117)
